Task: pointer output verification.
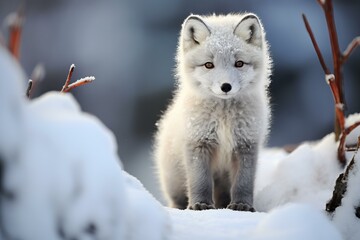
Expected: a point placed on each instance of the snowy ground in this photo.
(62, 179)
(289, 222)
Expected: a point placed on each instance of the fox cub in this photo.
(208, 139)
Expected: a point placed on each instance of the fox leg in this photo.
(199, 174)
(173, 183)
(243, 177)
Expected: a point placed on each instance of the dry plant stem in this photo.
(29, 88)
(334, 42)
(316, 46)
(38, 73)
(331, 80)
(77, 84)
(15, 30)
(68, 78)
(341, 149)
(14, 41)
(338, 58)
(350, 48)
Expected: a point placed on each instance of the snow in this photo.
(307, 175)
(11, 103)
(344, 217)
(329, 77)
(292, 221)
(63, 180)
(89, 78)
(61, 185)
(352, 138)
(62, 176)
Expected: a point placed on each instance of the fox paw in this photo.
(201, 206)
(241, 207)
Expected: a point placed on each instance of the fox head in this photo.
(222, 56)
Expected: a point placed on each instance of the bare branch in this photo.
(78, 83)
(38, 73)
(338, 60)
(15, 21)
(327, 7)
(330, 79)
(350, 48)
(29, 88)
(68, 78)
(341, 148)
(316, 46)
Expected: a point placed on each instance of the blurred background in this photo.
(129, 46)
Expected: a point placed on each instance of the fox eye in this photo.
(209, 65)
(239, 64)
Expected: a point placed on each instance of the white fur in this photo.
(200, 110)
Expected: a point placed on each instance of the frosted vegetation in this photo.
(62, 179)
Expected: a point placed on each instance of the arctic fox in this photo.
(207, 143)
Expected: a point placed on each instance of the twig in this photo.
(334, 42)
(331, 80)
(68, 87)
(78, 83)
(38, 73)
(15, 21)
(316, 46)
(350, 48)
(341, 148)
(350, 148)
(68, 78)
(29, 88)
(335, 81)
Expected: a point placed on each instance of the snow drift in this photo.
(62, 176)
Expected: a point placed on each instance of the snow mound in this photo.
(307, 175)
(11, 103)
(295, 221)
(147, 217)
(62, 178)
(344, 217)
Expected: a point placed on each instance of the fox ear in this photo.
(250, 30)
(194, 31)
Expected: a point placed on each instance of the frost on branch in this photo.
(78, 83)
(68, 87)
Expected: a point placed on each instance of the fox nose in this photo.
(226, 87)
